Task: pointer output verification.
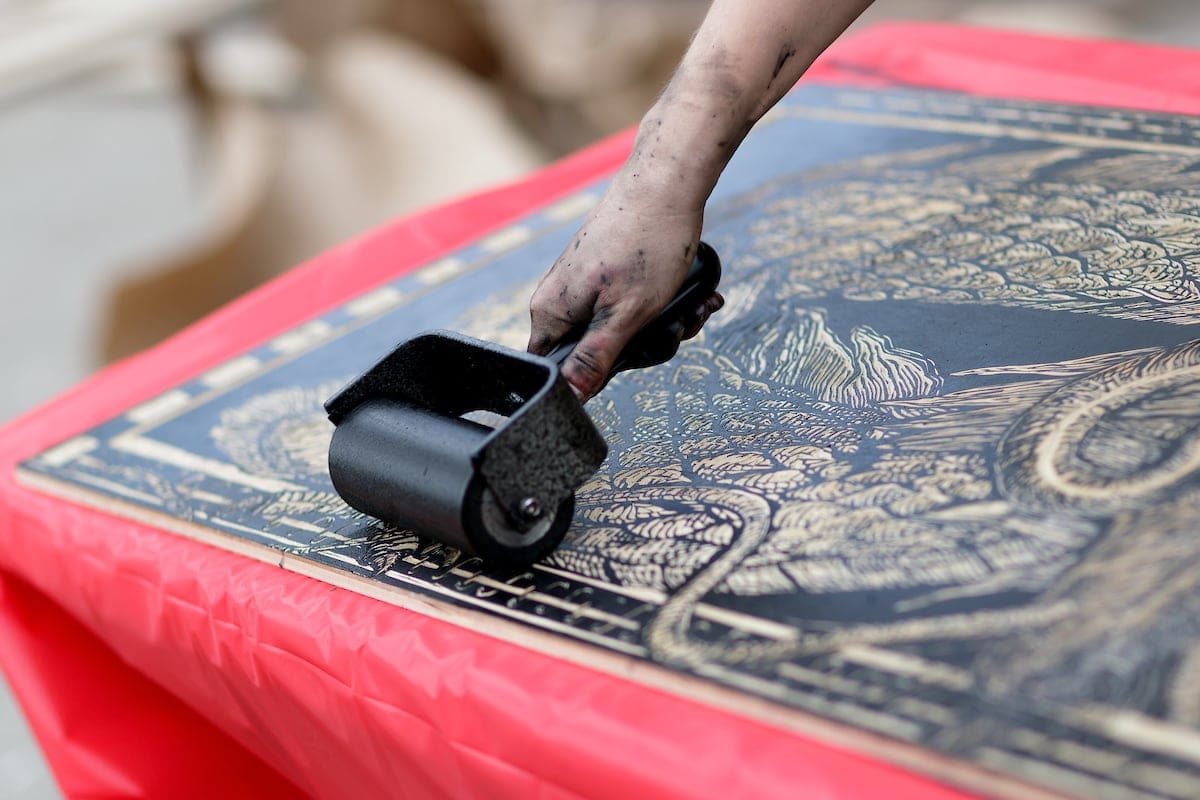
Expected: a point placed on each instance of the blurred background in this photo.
(160, 157)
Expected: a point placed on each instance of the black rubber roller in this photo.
(403, 463)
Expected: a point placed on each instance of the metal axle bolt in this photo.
(530, 508)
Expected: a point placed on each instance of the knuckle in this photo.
(631, 311)
(544, 296)
(542, 313)
(588, 363)
(588, 367)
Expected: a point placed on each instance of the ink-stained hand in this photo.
(634, 249)
(622, 267)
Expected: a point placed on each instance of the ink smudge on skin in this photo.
(786, 53)
(722, 78)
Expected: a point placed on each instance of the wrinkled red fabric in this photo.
(150, 665)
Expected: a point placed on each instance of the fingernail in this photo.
(575, 390)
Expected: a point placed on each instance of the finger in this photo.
(697, 319)
(588, 367)
(694, 323)
(676, 333)
(554, 310)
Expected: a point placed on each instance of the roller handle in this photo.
(656, 342)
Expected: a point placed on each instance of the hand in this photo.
(622, 267)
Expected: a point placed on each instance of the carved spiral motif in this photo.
(1118, 438)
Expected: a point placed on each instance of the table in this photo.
(151, 664)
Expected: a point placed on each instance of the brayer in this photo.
(403, 450)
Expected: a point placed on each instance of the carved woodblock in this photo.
(927, 485)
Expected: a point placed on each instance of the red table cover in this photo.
(150, 665)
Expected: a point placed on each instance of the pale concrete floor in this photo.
(93, 180)
(23, 772)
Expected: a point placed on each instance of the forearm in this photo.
(746, 55)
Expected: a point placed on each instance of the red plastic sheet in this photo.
(128, 736)
(150, 665)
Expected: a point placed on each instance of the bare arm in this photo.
(632, 252)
